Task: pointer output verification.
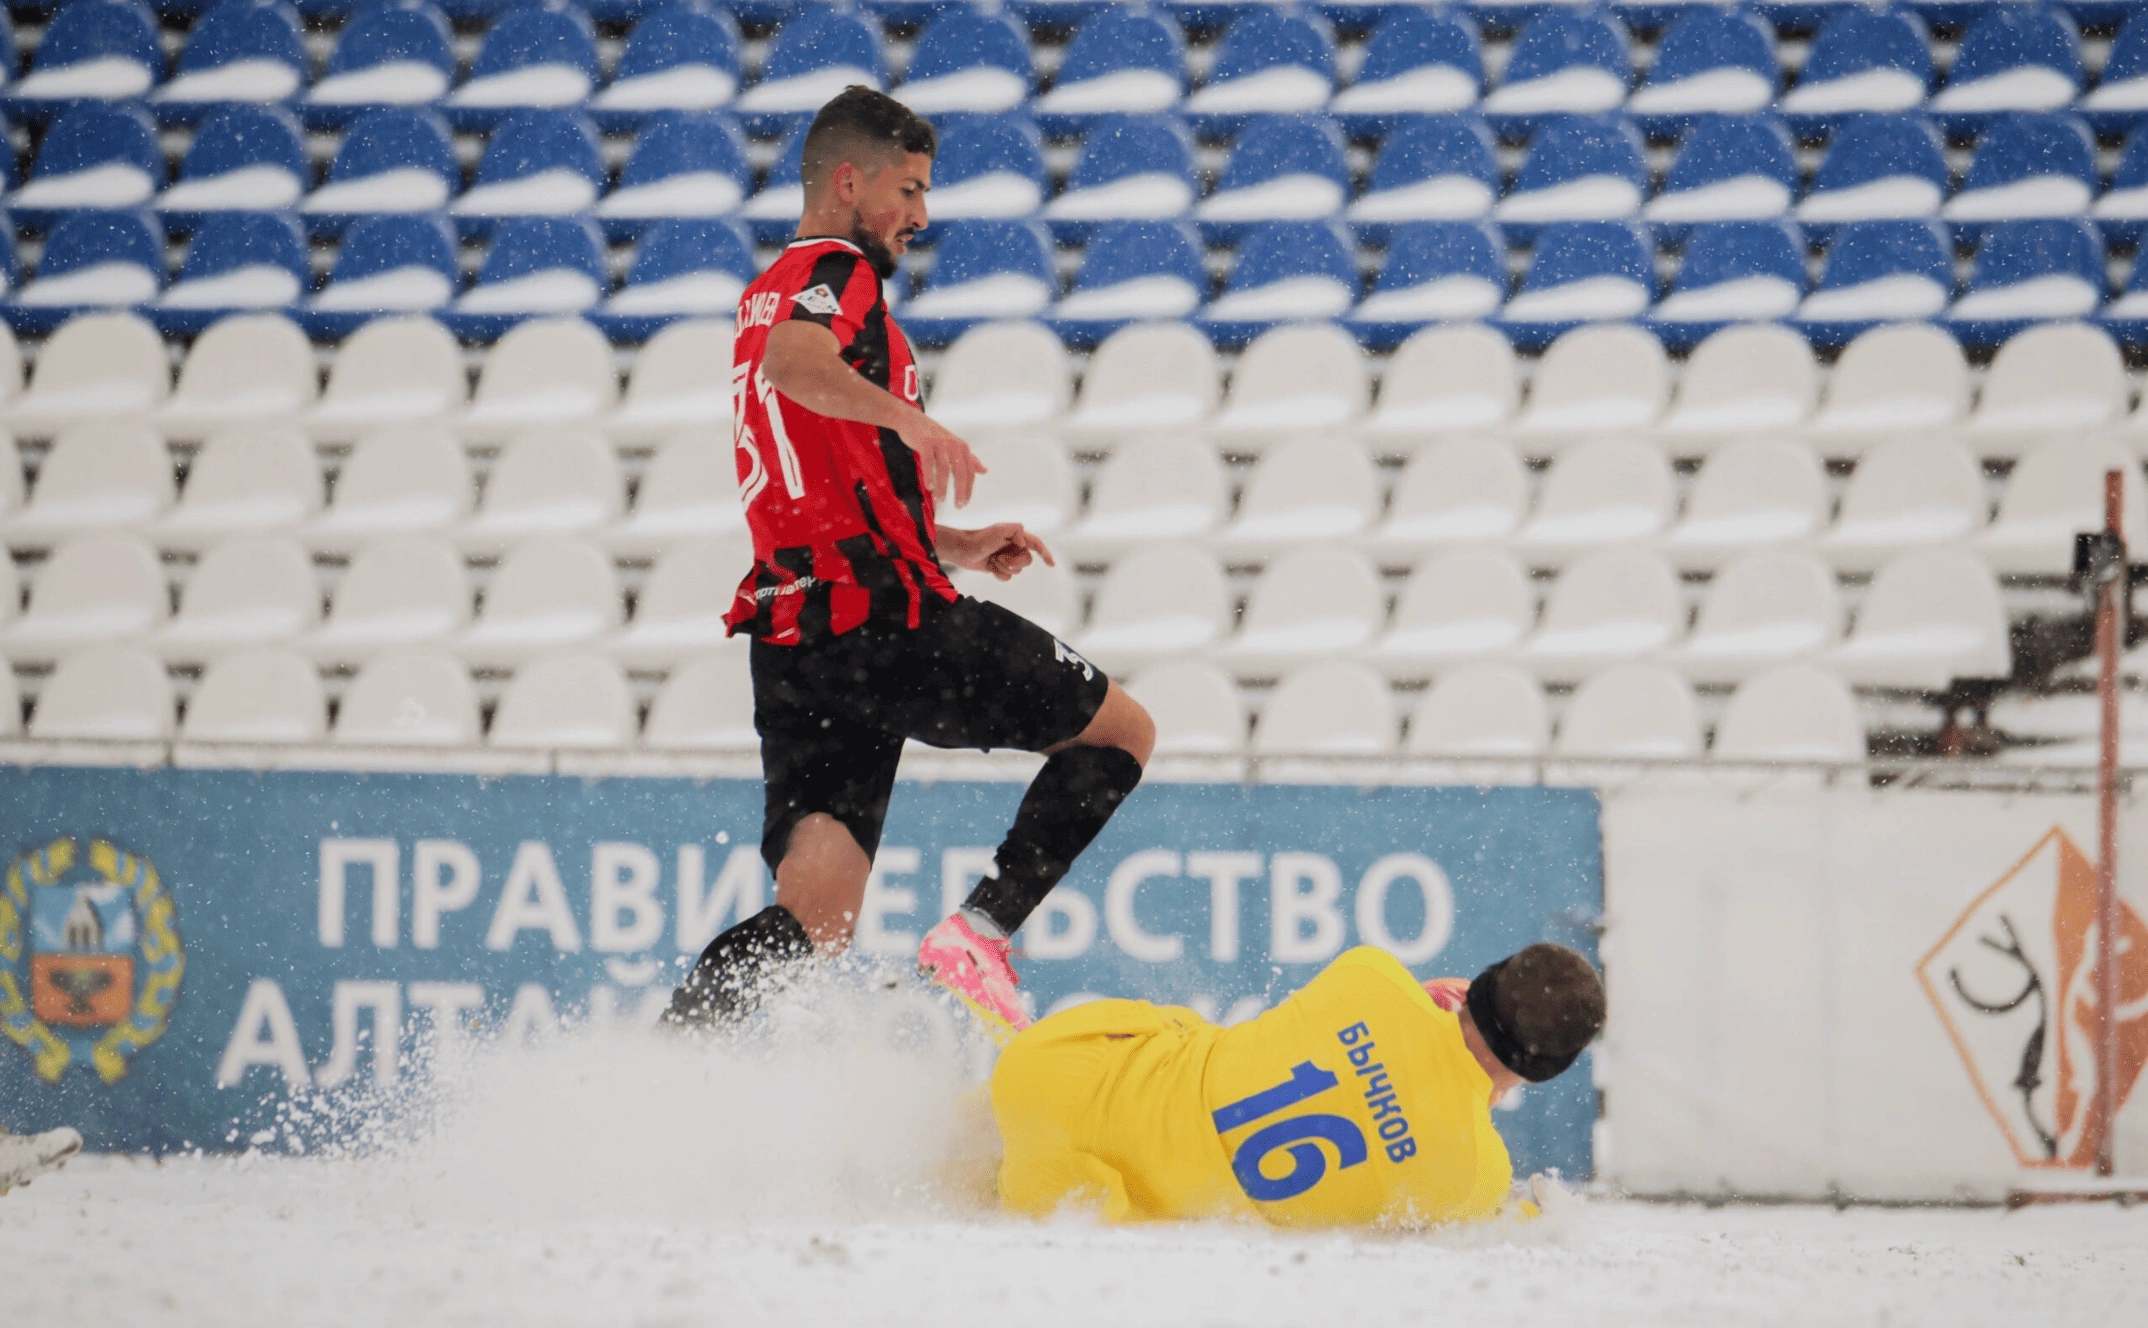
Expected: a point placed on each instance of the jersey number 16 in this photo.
(1296, 1133)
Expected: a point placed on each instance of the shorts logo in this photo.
(86, 927)
(2014, 981)
(818, 300)
(1066, 654)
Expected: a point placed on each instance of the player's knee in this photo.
(1124, 723)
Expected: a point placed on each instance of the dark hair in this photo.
(1537, 1008)
(863, 127)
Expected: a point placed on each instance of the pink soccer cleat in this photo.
(975, 969)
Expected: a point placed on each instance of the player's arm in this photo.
(804, 362)
(1002, 549)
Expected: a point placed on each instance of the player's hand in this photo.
(943, 458)
(1002, 550)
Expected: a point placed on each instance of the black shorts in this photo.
(833, 715)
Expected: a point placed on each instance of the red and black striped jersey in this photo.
(842, 525)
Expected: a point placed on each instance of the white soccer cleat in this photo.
(25, 1157)
(976, 969)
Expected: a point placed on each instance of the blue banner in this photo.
(179, 949)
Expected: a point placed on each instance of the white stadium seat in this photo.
(1159, 601)
(395, 482)
(681, 380)
(1145, 378)
(1335, 708)
(1296, 379)
(1026, 480)
(1928, 618)
(10, 369)
(257, 696)
(1444, 380)
(2054, 493)
(1314, 488)
(548, 371)
(1046, 595)
(251, 480)
(97, 366)
(2052, 381)
(1002, 376)
(105, 694)
(1609, 608)
(1196, 706)
(1794, 713)
(679, 613)
(1635, 710)
(102, 475)
(1168, 488)
(548, 595)
(410, 698)
(254, 590)
(11, 481)
(402, 591)
(572, 700)
(1593, 380)
(1742, 381)
(93, 589)
(1765, 609)
(705, 706)
(1469, 604)
(247, 369)
(1311, 604)
(1750, 494)
(689, 489)
(1890, 381)
(1455, 491)
(1908, 494)
(1481, 710)
(1605, 492)
(10, 701)
(10, 593)
(391, 372)
(547, 481)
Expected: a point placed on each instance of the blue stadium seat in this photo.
(1581, 272)
(1731, 272)
(93, 156)
(540, 163)
(1863, 60)
(1711, 62)
(767, 13)
(241, 52)
(1057, 16)
(985, 270)
(1877, 272)
(683, 268)
(1132, 272)
(393, 54)
(1272, 62)
(1132, 168)
(92, 260)
(245, 159)
(968, 61)
(392, 160)
(2028, 165)
(1431, 168)
(1417, 62)
(1878, 166)
(2017, 57)
(2122, 211)
(910, 13)
(1571, 61)
(772, 213)
(1288, 272)
(988, 166)
(1354, 18)
(2119, 101)
(680, 58)
(1796, 17)
(1648, 17)
(2028, 272)
(815, 56)
(541, 56)
(386, 265)
(1729, 168)
(1436, 272)
(238, 262)
(10, 262)
(2126, 318)
(538, 267)
(1579, 168)
(685, 164)
(1282, 169)
(93, 50)
(1121, 60)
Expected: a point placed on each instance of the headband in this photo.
(1502, 1041)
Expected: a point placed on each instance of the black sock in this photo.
(1067, 804)
(732, 975)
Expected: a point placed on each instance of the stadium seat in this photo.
(547, 594)
(2014, 58)
(10, 391)
(1436, 272)
(400, 480)
(967, 61)
(1911, 493)
(2055, 380)
(1283, 168)
(414, 698)
(10, 697)
(94, 589)
(1755, 379)
(1579, 168)
(985, 271)
(1272, 61)
(245, 159)
(387, 266)
(1305, 377)
(2121, 211)
(1595, 380)
(679, 57)
(1131, 168)
(237, 263)
(1470, 604)
(1456, 491)
(1287, 272)
(1333, 708)
(251, 590)
(550, 482)
(679, 611)
(2070, 724)
(257, 696)
(389, 55)
(538, 163)
(1731, 272)
(689, 489)
(1929, 617)
(536, 56)
(248, 369)
(1563, 61)
(1431, 168)
(1120, 61)
(1710, 62)
(1633, 711)
(1878, 272)
(1419, 62)
(1729, 168)
(100, 475)
(2126, 317)
(551, 371)
(1793, 713)
(988, 166)
(1161, 600)
(1197, 708)
(1479, 711)
(537, 266)
(578, 700)
(1132, 271)
(1862, 60)
(392, 161)
(681, 380)
(250, 480)
(1150, 376)
(1616, 605)
(246, 52)
(1890, 381)
(105, 694)
(2053, 494)
(1581, 272)
(683, 268)
(395, 371)
(1162, 488)
(398, 592)
(685, 164)
(97, 366)
(1598, 493)
(1314, 488)
(1046, 595)
(2119, 101)
(1751, 493)
(92, 156)
(92, 260)
(1002, 376)
(1027, 480)
(1444, 380)
(814, 57)
(2029, 272)
(93, 50)
(1316, 602)
(2026, 166)
(705, 706)
(1878, 168)
(1764, 609)
(772, 212)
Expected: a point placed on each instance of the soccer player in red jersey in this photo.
(859, 641)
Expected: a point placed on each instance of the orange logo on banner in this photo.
(81, 991)
(2014, 981)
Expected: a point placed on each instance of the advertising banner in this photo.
(180, 950)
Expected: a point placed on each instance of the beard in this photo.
(876, 253)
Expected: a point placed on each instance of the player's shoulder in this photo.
(818, 275)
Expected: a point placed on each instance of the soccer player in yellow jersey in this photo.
(1364, 1097)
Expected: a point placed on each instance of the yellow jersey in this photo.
(1354, 1101)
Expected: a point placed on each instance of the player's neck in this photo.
(1502, 1078)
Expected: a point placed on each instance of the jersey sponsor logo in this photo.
(798, 587)
(760, 309)
(818, 300)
